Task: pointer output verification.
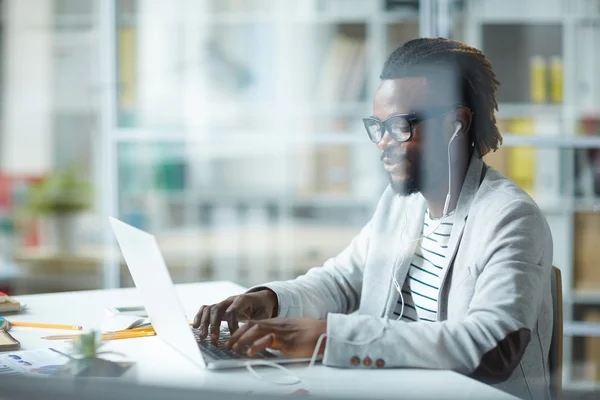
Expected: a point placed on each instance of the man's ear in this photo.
(464, 116)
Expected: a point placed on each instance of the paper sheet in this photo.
(121, 322)
(40, 362)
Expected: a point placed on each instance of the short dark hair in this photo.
(471, 71)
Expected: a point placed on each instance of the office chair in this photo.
(556, 343)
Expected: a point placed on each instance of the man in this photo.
(453, 269)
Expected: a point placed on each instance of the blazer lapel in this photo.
(396, 242)
(398, 227)
(406, 245)
(467, 194)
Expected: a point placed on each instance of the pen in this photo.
(47, 326)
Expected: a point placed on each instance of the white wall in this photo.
(27, 132)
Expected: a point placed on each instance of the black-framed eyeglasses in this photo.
(401, 126)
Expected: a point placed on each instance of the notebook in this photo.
(8, 304)
(7, 342)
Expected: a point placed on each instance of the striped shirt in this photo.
(422, 285)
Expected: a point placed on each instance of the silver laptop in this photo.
(150, 275)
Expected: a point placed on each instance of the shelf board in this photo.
(581, 328)
(581, 385)
(531, 110)
(86, 20)
(174, 196)
(240, 18)
(225, 18)
(569, 142)
(332, 18)
(398, 16)
(568, 204)
(147, 136)
(552, 207)
(239, 138)
(354, 110)
(201, 196)
(585, 296)
(579, 18)
(331, 201)
(587, 205)
(522, 110)
(334, 138)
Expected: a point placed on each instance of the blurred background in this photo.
(231, 129)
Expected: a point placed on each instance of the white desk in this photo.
(159, 364)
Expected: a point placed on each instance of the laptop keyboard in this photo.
(218, 351)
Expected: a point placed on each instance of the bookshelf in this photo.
(220, 114)
(244, 149)
(285, 64)
(555, 137)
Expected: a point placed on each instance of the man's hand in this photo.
(255, 306)
(294, 337)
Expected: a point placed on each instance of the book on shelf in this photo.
(13, 197)
(587, 162)
(586, 250)
(325, 170)
(342, 76)
(592, 349)
(342, 79)
(226, 242)
(499, 159)
(521, 159)
(170, 176)
(356, 76)
(339, 7)
(538, 87)
(412, 5)
(588, 59)
(536, 170)
(256, 244)
(547, 171)
(546, 79)
(333, 170)
(127, 75)
(156, 167)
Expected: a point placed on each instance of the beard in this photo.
(411, 183)
(407, 186)
(418, 175)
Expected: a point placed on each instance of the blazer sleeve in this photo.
(490, 340)
(334, 287)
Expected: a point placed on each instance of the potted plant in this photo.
(61, 195)
(85, 361)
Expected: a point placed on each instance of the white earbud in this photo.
(457, 130)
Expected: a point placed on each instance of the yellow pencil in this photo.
(46, 326)
(122, 335)
(143, 329)
(105, 336)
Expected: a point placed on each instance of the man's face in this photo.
(422, 162)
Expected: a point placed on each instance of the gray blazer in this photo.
(495, 309)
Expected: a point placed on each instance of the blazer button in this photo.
(355, 361)
(380, 363)
(367, 362)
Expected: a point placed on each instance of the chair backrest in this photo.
(556, 344)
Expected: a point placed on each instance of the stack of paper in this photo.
(8, 304)
(120, 322)
(32, 362)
